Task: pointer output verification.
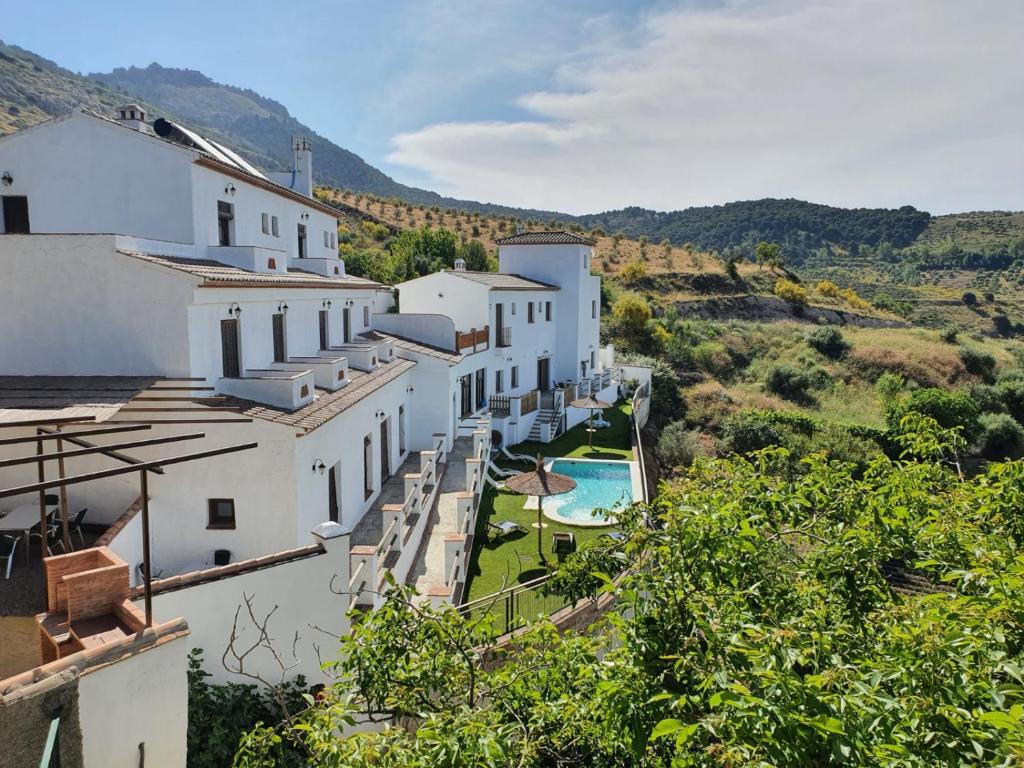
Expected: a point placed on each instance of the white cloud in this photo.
(850, 102)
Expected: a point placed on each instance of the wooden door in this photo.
(332, 493)
(229, 348)
(543, 374)
(385, 452)
(324, 339)
(279, 350)
(15, 212)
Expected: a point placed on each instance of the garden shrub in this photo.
(790, 291)
(748, 431)
(788, 382)
(678, 446)
(949, 409)
(978, 362)
(888, 387)
(829, 341)
(1001, 436)
(713, 358)
(827, 288)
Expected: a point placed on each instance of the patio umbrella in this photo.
(540, 483)
(593, 404)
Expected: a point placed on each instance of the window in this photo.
(515, 376)
(346, 325)
(279, 349)
(220, 514)
(229, 349)
(273, 226)
(547, 311)
(15, 215)
(366, 316)
(481, 388)
(593, 308)
(513, 310)
(499, 382)
(529, 312)
(302, 241)
(401, 429)
(324, 330)
(327, 239)
(466, 395)
(593, 360)
(225, 222)
(368, 466)
(266, 223)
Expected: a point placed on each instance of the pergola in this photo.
(51, 430)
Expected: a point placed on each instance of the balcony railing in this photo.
(503, 337)
(500, 406)
(528, 402)
(473, 339)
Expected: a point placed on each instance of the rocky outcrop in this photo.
(772, 308)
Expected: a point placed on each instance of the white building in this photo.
(152, 276)
(527, 337)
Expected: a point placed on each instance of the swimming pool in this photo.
(602, 485)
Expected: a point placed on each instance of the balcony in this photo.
(330, 373)
(328, 267)
(251, 258)
(281, 389)
(473, 340)
(503, 337)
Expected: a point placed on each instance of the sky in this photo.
(589, 105)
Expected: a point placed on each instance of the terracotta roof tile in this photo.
(215, 273)
(545, 238)
(402, 342)
(497, 281)
(326, 405)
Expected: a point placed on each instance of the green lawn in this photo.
(500, 561)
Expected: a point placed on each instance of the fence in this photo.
(514, 607)
(473, 339)
(500, 406)
(528, 402)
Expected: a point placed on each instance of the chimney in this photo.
(131, 116)
(303, 167)
(460, 265)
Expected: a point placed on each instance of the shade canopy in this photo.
(590, 402)
(540, 482)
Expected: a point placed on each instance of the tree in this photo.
(829, 341)
(632, 312)
(767, 624)
(768, 254)
(790, 291)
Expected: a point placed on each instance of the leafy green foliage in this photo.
(218, 716)
(949, 409)
(759, 626)
(829, 341)
(788, 382)
(678, 445)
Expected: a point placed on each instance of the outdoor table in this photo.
(22, 520)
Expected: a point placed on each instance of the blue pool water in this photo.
(602, 485)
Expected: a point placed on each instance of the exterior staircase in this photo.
(548, 424)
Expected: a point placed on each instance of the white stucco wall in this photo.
(464, 301)
(83, 174)
(301, 591)
(72, 305)
(141, 699)
(250, 202)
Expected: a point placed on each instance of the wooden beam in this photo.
(188, 421)
(180, 399)
(99, 449)
(48, 422)
(66, 435)
(71, 438)
(179, 389)
(89, 476)
(197, 409)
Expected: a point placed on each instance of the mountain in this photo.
(800, 227)
(33, 89)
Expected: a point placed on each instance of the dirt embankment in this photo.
(772, 308)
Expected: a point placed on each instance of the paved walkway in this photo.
(370, 528)
(428, 569)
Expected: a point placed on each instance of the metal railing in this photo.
(512, 608)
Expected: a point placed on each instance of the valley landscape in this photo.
(826, 404)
